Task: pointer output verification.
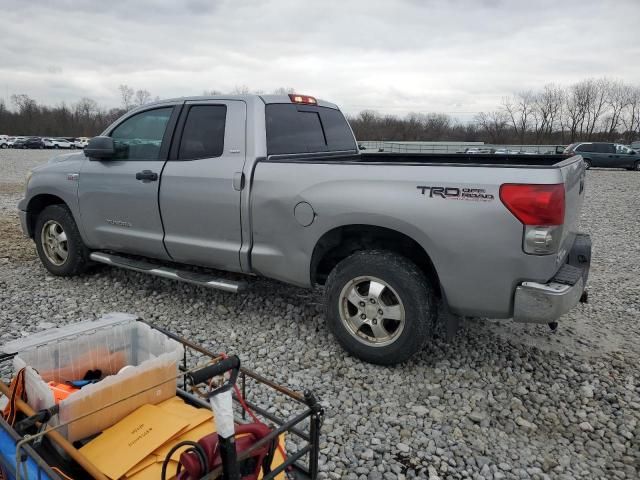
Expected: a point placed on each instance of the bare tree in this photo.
(24, 103)
(548, 109)
(631, 115)
(284, 91)
(240, 90)
(618, 97)
(597, 99)
(575, 109)
(142, 97)
(520, 110)
(494, 124)
(126, 96)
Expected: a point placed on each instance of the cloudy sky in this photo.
(457, 56)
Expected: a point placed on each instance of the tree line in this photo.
(593, 109)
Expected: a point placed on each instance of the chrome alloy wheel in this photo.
(54, 243)
(372, 311)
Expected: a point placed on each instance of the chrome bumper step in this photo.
(142, 266)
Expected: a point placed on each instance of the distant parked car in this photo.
(506, 151)
(30, 142)
(60, 143)
(4, 141)
(605, 155)
(12, 140)
(82, 142)
(477, 151)
(78, 142)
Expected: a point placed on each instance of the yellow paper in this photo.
(154, 471)
(194, 435)
(141, 465)
(195, 416)
(126, 443)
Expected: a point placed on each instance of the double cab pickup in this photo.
(274, 185)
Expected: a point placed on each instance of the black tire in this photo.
(414, 292)
(637, 166)
(77, 259)
(56, 146)
(587, 163)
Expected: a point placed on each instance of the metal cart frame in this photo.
(30, 464)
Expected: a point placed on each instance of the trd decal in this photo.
(456, 193)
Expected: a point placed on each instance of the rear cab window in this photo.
(295, 128)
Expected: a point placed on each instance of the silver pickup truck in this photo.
(275, 186)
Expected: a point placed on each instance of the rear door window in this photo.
(585, 147)
(306, 129)
(604, 148)
(203, 133)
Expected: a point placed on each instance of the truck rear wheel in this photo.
(380, 306)
(58, 242)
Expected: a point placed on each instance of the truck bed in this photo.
(449, 159)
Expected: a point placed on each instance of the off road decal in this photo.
(456, 193)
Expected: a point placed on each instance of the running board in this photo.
(187, 276)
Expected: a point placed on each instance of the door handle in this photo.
(147, 175)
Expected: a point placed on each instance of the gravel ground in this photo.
(502, 400)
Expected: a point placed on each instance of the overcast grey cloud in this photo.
(458, 56)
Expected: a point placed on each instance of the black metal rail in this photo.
(312, 411)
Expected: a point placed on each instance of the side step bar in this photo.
(187, 276)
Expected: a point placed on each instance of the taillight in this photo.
(541, 209)
(534, 204)
(306, 99)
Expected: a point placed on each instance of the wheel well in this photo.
(337, 244)
(36, 205)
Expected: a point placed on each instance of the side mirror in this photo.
(100, 148)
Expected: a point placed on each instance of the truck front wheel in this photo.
(380, 306)
(58, 242)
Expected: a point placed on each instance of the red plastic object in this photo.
(246, 436)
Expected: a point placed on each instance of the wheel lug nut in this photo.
(374, 321)
(362, 304)
(363, 316)
(380, 312)
(373, 300)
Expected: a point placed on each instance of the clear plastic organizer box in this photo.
(107, 344)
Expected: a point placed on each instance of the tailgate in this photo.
(573, 176)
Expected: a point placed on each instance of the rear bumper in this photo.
(546, 302)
